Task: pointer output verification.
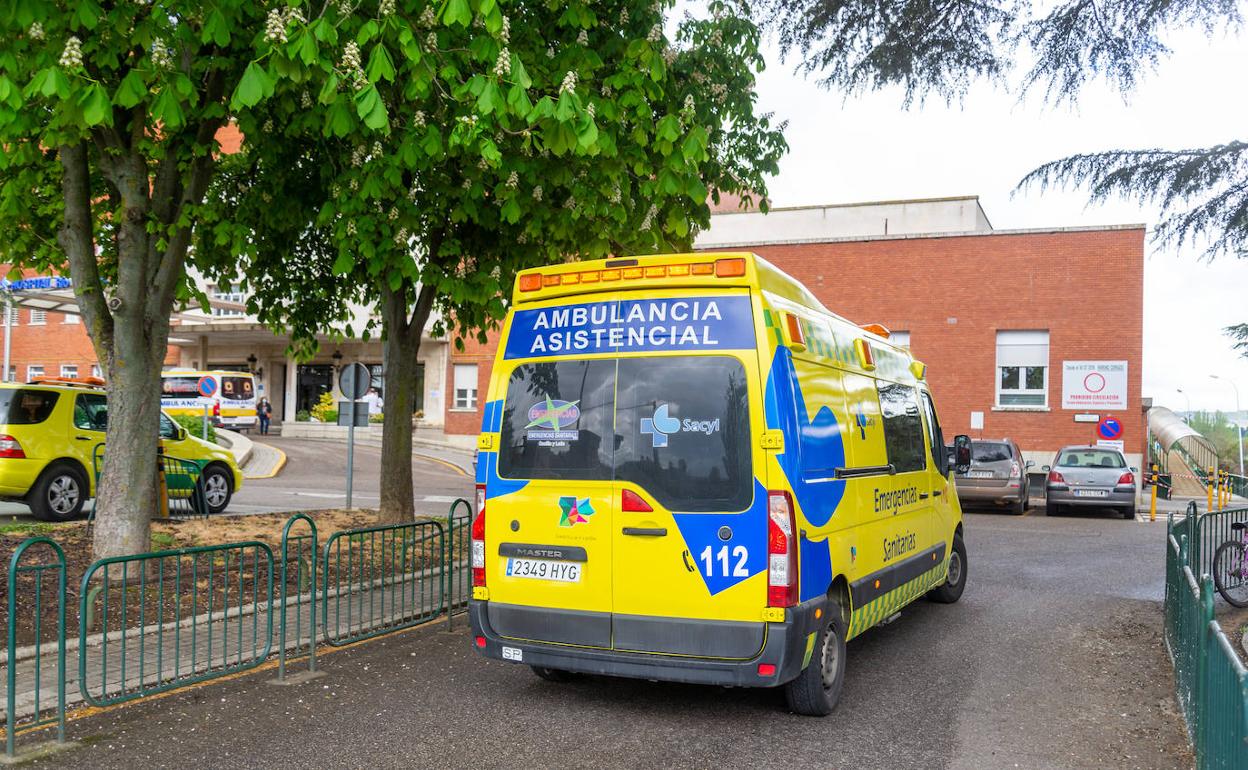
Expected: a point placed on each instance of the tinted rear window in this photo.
(179, 387)
(1091, 458)
(985, 452)
(20, 406)
(677, 427)
(236, 388)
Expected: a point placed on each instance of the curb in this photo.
(277, 467)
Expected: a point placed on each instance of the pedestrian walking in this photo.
(265, 412)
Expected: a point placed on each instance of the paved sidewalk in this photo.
(265, 463)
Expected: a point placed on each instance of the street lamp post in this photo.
(1238, 427)
(1186, 415)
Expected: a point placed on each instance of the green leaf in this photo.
(587, 133)
(167, 109)
(216, 29)
(57, 84)
(456, 12)
(380, 67)
(371, 109)
(307, 49)
(252, 87)
(97, 108)
(367, 32)
(338, 121)
(343, 264)
(489, 98)
(518, 98)
(519, 75)
(88, 13)
(329, 91)
(326, 32)
(510, 211)
(39, 82)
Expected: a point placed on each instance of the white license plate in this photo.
(544, 569)
(979, 474)
(1091, 493)
(513, 653)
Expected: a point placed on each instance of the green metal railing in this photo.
(37, 576)
(304, 585)
(382, 579)
(1211, 683)
(458, 545)
(185, 610)
(182, 479)
(162, 620)
(1207, 531)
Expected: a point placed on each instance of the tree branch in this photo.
(76, 240)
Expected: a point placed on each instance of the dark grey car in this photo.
(1090, 476)
(998, 475)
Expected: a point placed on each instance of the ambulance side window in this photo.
(903, 428)
(934, 434)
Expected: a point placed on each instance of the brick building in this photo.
(1030, 334)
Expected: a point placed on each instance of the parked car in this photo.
(49, 432)
(998, 475)
(1090, 476)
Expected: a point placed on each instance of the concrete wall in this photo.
(810, 223)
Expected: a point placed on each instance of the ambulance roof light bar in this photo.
(630, 270)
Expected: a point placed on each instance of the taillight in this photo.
(216, 409)
(633, 503)
(1056, 478)
(478, 540)
(781, 551)
(1127, 479)
(9, 447)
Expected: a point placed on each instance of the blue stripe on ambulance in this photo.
(487, 462)
(749, 530)
(785, 409)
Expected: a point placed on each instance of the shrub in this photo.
(302, 415)
(324, 406)
(377, 418)
(195, 426)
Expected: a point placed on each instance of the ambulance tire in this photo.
(953, 586)
(816, 691)
(556, 675)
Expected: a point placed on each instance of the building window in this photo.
(38, 317)
(900, 338)
(33, 371)
(96, 371)
(465, 386)
(69, 318)
(1023, 368)
(15, 316)
(69, 371)
(228, 294)
(12, 374)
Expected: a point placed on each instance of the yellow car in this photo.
(48, 439)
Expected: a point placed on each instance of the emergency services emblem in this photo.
(574, 511)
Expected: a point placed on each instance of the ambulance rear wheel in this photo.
(816, 691)
(557, 675)
(955, 583)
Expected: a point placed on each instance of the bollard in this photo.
(1210, 480)
(1152, 499)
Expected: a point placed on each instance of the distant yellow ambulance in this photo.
(231, 396)
(691, 470)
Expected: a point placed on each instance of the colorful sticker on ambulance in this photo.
(632, 325)
(574, 511)
(549, 422)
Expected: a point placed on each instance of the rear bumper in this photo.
(784, 646)
(1067, 497)
(985, 494)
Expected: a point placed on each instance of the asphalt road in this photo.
(1053, 659)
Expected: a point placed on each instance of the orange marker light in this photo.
(571, 278)
(590, 277)
(730, 268)
(550, 280)
(703, 268)
(656, 272)
(610, 275)
(678, 270)
(530, 281)
(877, 584)
(631, 273)
(793, 325)
(866, 359)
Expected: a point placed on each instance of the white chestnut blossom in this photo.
(582, 38)
(502, 66)
(354, 184)
(351, 65)
(385, 8)
(305, 100)
(275, 26)
(35, 32)
(357, 156)
(431, 40)
(569, 82)
(377, 150)
(418, 120)
(162, 57)
(537, 193)
(550, 52)
(71, 57)
(513, 180)
(656, 34)
(591, 110)
(428, 17)
(350, 227)
(504, 34)
(623, 17)
(393, 214)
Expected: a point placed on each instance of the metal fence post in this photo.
(10, 732)
(450, 567)
(312, 598)
(1202, 706)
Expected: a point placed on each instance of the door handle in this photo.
(937, 493)
(83, 438)
(645, 531)
(924, 495)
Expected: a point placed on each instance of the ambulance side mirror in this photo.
(961, 453)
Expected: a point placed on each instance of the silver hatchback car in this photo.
(998, 475)
(1090, 476)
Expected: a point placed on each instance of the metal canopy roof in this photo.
(1171, 432)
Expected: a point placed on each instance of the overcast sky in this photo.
(869, 149)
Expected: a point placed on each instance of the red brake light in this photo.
(478, 540)
(781, 551)
(9, 447)
(632, 502)
(1126, 479)
(1056, 478)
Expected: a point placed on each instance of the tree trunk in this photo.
(401, 340)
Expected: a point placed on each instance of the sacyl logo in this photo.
(661, 425)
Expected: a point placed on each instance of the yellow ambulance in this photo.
(690, 470)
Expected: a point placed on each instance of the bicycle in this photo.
(1230, 567)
